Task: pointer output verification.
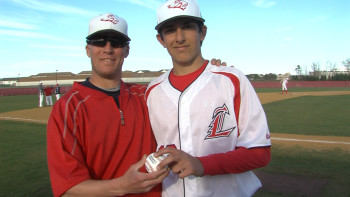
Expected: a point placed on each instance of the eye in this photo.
(167, 30)
(188, 26)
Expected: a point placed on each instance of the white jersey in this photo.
(284, 84)
(284, 81)
(218, 112)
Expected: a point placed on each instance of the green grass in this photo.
(302, 89)
(23, 165)
(331, 165)
(310, 115)
(12, 103)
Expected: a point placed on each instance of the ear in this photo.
(126, 51)
(87, 49)
(203, 33)
(160, 40)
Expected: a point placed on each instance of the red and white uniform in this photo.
(284, 84)
(217, 113)
(48, 95)
(87, 137)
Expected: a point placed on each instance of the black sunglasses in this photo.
(101, 42)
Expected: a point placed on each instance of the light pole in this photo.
(18, 79)
(56, 76)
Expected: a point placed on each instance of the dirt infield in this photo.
(40, 115)
(272, 97)
(37, 115)
(284, 184)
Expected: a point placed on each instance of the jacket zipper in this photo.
(121, 117)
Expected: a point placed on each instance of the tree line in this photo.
(329, 74)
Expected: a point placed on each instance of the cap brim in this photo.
(105, 31)
(175, 17)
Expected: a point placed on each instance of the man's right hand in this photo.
(134, 181)
(217, 62)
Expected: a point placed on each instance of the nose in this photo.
(180, 38)
(108, 48)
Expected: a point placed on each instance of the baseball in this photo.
(152, 162)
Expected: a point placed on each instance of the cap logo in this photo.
(179, 4)
(110, 18)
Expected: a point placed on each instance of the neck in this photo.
(188, 67)
(105, 83)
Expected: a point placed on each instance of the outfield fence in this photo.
(28, 90)
(256, 84)
(298, 84)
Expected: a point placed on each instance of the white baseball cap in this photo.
(108, 23)
(178, 8)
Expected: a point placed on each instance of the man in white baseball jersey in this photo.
(41, 94)
(207, 118)
(284, 85)
(58, 92)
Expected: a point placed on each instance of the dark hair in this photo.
(199, 23)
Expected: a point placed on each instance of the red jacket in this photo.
(86, 138)
(48, 91)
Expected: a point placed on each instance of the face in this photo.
(182, 39)
(106, 59)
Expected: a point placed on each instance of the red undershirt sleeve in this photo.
(237, 161)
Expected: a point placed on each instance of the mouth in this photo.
(181, 48)
(107, 60)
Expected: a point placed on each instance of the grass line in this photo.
(311, 141)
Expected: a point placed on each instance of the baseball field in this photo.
(310, 134)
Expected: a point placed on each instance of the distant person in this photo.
(207, 118)
(41, 94)
(284, 83)
(48, 95)
(58, 92)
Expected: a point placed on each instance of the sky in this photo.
(255, 36)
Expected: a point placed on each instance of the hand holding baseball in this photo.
(134, 181)
(180, 162)
(152, 162)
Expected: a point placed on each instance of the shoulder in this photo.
(134, 88)
(155, 82)
(225, 70)
(75, 96)
(80, 91)
(161, 78)
(234, 75)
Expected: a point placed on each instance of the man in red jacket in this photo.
(48, 95)
(99, 133)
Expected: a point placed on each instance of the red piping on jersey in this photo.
(150, 89)
(66, 114)
(237, 97)
(74, 121)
